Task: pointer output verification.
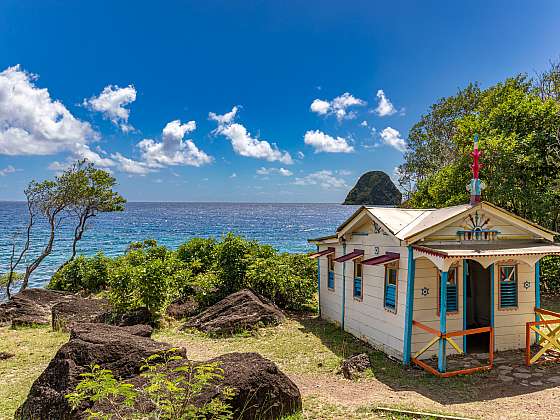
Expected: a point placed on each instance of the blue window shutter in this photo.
(331, 280)
(357, 287)
(508, 286)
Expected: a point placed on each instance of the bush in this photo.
(147, 276)
(82, 273)
(289, 280)
(550, 275)
(234, 254)
(198, 253)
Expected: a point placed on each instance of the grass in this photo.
(33, 348)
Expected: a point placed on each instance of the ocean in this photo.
(284, 226)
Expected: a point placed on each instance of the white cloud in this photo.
(320, 107)
(322, 142)
(392, 137)
(325, 179)
(111, 103)
(338, 106)
(224, 119)
(300, 155)
(233, 175)
(32, 123)
(344, 172)
(384, 106)
(279, 171)
(7, 170)
(364, 123)
(130, 166)
(173, 150)
(245, 145)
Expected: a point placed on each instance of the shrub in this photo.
(147, 276)
(198, 253)
(82, 273)
(550, 274)
(289, 280)
(233, 256)
(171, 390)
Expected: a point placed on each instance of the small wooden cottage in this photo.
(388, 274)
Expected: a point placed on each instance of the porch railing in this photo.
(448, 338)
(548, 338)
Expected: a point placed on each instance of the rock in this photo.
(79, 310)
(554, 379)
(239, 311)
(183, 308)
(355, 365)
(520, 375)
(505, 378)
(134, 317)
(5, 356)
(536, 383)
(114, 348)
(262, 390)
(31, 307)
(374, 188)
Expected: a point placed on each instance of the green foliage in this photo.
(198, 253)
(148, 276)
(550, 274)
(289, 280)
(171, 390)
(234, 254)
(82, 273)
(5, 277)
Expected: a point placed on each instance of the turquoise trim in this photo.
(442, 321)
(537, 293)
(343, 287)
(492, 302)
(409, 310)
(319, 283)
(465, 274)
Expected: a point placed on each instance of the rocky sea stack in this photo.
(374, 188)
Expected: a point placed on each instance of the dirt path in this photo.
(543, 404)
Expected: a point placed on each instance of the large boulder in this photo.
(262, 391)
(239, 311)
(119, 349)
(79, 310)
(32, 306)
(182, 308)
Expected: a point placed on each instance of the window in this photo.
(508, 286)
(330, 265)
(391, 279)
(358, 283)
(452, 291)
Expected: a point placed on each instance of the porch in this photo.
(518, 323)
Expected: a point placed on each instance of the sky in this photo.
(243, 101)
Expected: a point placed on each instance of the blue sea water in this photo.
(284, 226)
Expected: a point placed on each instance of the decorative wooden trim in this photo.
(438, 273)
(426, 328)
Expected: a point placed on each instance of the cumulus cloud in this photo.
(7, 170)
(131, 166)
(243, 143)
(32, 123)
(173, 149)
(224, 119)
(270, 171)
(392, 137)
(111, 103)
(338, 106)
(384, 105)
(325, 179)
(322, 142)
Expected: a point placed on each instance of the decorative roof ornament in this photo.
(476, 186)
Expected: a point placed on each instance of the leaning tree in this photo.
(77, 195)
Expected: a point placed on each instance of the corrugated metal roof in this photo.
(430, 219)
(502, 248)
(396, 219)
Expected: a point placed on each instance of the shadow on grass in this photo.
(482, 386)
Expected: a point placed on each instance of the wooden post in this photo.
(492, 303)
(442, 321)
(537, 294)
(409, 310)
(465, 273)
(343, 286)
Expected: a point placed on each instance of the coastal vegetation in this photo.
(152, 276)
